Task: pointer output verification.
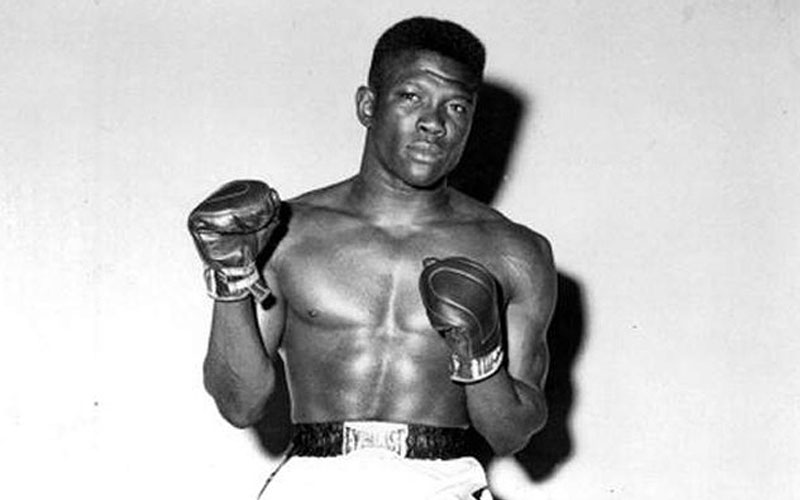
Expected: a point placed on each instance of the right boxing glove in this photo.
(230, 228)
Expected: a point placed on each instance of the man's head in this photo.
(416, 34)
(419, 103)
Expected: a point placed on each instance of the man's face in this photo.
(419, 119)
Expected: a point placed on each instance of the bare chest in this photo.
(359, 277)
(357, 329)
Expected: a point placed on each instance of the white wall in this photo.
(659, 153)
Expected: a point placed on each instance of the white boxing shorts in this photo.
(375, 460)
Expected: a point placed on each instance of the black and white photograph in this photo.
(511, 250)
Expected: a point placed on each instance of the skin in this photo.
(347, 315)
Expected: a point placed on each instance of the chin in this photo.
(426, 175)
(423, 181)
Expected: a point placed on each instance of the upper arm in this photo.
(531, 282)
(272, 313)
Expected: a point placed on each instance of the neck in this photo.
(386, 200)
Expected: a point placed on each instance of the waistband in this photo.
(330, 439)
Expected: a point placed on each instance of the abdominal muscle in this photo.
(371, 374)
(357, 343)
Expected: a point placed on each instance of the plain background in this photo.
(659, 151)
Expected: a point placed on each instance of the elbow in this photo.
(239, 411)
(510, 443)
(539, 420)
(239, 419)
(240, 407)
(506, 450)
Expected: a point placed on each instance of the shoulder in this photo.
(323, 204)
(328, 197)
(524, 244)
(521, 257)
(508, 237)
(308, 217)
(471, 210)
(526, 256)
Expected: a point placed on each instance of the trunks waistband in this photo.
(329, 439)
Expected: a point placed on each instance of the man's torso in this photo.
(357, 342)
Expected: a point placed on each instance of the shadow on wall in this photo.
(484, 163)
(480, 175)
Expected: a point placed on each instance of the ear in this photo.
(365, 105)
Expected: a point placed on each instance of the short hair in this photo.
(426, 33)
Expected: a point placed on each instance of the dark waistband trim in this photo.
(327, 439)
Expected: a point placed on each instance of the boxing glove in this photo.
(460, 299)
(230, 228)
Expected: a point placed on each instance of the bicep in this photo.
(528, 314)
(528, 356)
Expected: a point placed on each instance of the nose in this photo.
(431, 123)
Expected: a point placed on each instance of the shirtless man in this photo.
(383, 332)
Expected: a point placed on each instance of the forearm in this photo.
(238, 372)
(505, 411)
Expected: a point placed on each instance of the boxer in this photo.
(407, 313)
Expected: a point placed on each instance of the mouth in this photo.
(425, 152)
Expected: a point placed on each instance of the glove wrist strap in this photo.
(471, 370)
(235, 283)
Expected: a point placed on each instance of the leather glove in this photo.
(460, 298)
(230, 228)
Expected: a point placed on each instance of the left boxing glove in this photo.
(230, 228)
(460, 299)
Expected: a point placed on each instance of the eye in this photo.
(459, 108)
(409, 96)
